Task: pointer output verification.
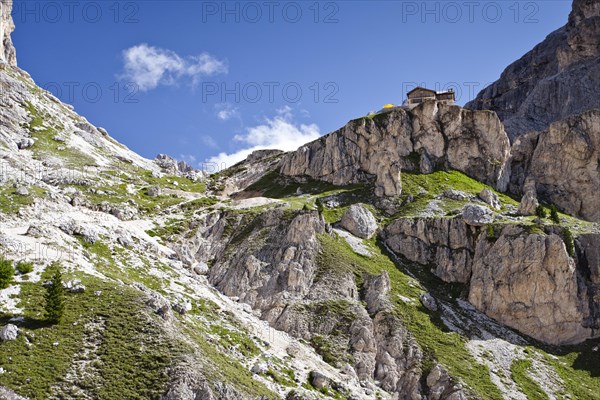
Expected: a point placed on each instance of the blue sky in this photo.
(211, 80)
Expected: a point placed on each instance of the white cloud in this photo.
(276, 133)
(149, 66)
(226, 111)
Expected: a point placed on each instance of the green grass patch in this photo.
(222, 367)
(426, 187)
(43, 129)
(519, 372)
(131, 355)
(277, 186)
(10, 202)
(578, 367)
(173, 182)
(232, 339)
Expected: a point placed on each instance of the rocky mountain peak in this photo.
(583, 9)
(559, 77)
(8, 53)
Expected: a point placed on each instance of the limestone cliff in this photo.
(558, 78)
(432, 136)
(527, 281)
(7, 50)
(564, 163)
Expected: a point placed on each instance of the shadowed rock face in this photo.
(7, 51)
(429, 137)
(558, 78)
(564, 163)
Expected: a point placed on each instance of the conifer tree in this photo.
(55, 298)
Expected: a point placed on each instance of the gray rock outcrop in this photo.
(558, 78)
(529, 202)
(9, 332)
(445, 244)
(8, 53)
(563, 162)
(428, 137)
(490, 198)
(529, 282)
(476, 215)
(275, 268)
(525, 281)
(359, 221)
(442, 386)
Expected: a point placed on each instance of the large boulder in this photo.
(490, 198)
(476, 215)
(9, 332)
(359, 221)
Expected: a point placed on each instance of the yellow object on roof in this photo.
(389, 106)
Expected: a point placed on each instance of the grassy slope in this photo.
(131, 359)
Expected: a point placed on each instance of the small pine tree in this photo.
(569, 242)
(7, 272)
(554, 214)
(541, 212)
(55, 298)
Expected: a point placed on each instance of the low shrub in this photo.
(7, 272)
(24, 267)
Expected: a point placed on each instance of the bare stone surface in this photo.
(7, 26)
(563, 162)
(359, 221)
(529, 202)
(565, 80)
(529, 283)
(439, 135)
(476, 215)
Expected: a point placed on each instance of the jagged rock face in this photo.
(447, 244)
(247, 172)
(588, 256)
(558, 78)
(530, 283)
(564, 163)
(428, 137)
(442, 386)
(8, 53)
(525, 281)
(271, 262)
